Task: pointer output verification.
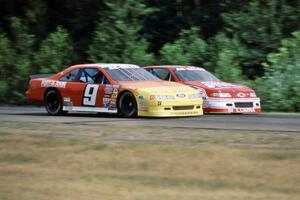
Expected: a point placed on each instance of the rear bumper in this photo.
(33, 96)
(232, 105)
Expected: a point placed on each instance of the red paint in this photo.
(238, 92)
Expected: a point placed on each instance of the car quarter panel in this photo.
(35, 92)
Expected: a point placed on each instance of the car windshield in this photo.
(185, 74)
(130, 74)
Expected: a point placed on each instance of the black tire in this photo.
(53, 103)
(127, 105)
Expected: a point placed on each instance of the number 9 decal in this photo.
(90, 95)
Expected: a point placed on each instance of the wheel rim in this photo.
(53, 103)
(128, 104)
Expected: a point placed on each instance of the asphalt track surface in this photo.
(259, 122)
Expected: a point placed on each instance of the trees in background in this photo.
(237, 40)
(16, 56)
(188, 49)
(117, 39)
(260, 26)
(227, 57)
(20, 57)
(280, 87)
(6, 62)
(54, 52)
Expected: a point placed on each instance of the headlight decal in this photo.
(161, 97)
(200, 90)
(195, 96)
(224, 95)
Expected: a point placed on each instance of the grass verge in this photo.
(101, 162)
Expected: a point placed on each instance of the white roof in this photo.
(112, 65)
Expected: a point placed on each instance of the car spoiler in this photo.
(34, 76)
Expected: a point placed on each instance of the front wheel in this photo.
(127, 105)
(53, 103)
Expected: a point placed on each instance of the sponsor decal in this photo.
(114, 96)
(105, 105)
(241, 94)
(111, 89)
(230, 110)
(109, 103)
(110, 96)
(115, 91)
(106, 100)
(67, 101)
(142, 106)
(112, 104)
(52, 83)
(108, 90)
(180, 95)
(240, 110)
(218, 84)
(250, 110)
(141, 97)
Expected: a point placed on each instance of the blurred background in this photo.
(252, 42)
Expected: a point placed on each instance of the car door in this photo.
(81, 88)
(98, 93)
(73, 91)
(88, 89)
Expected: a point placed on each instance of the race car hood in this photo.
(235, 90)
(158, 87)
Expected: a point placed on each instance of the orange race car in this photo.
(113, 88)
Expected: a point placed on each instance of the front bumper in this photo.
(232, 105)
(171, 108)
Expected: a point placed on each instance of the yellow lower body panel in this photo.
(172, 111)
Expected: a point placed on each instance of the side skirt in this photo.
(88, 109)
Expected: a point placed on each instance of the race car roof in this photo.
(172, 66)
(108, 65)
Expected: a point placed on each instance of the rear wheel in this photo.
(127, 105)
(53, 103)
